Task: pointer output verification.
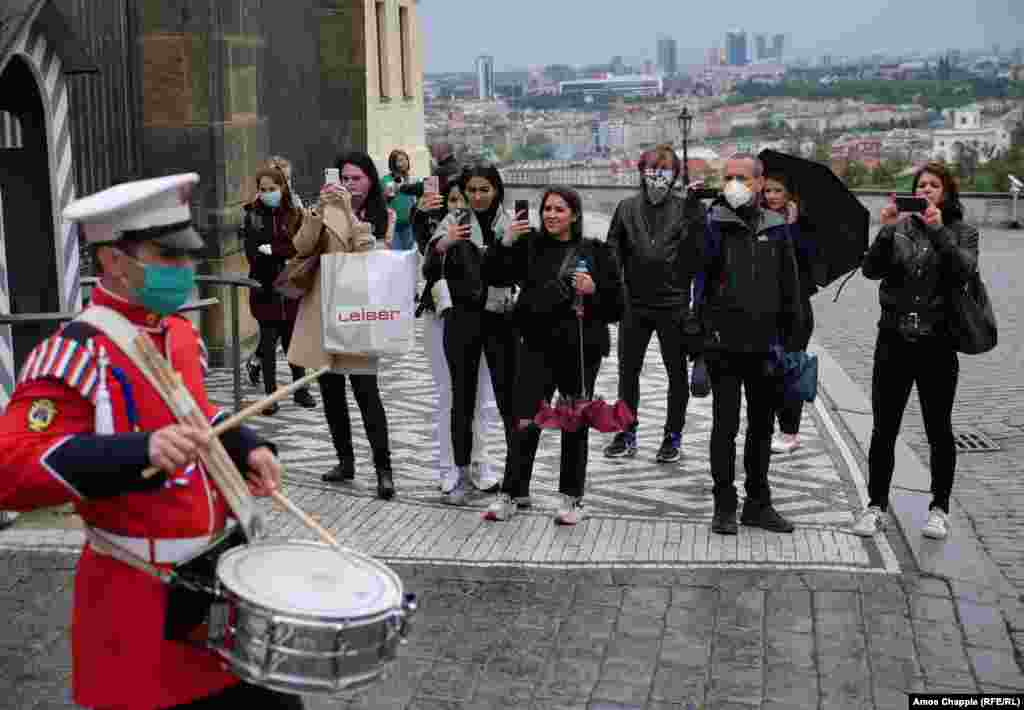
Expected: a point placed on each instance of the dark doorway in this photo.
(27, 209)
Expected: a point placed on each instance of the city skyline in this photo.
(570, 32)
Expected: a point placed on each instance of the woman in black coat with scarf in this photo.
(559, 272)
(269, 224)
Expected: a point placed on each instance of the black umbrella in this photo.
(832, 215)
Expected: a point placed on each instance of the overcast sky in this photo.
(538, 32)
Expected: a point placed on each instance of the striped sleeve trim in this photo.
(66, 361)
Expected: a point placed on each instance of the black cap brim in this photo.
(186, 239)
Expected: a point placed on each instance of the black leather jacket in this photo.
(658, 266)
(919, 266)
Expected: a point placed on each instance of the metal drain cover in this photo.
(973, 441)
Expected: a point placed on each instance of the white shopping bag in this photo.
(368, 302)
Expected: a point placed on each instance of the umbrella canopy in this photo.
(571, 414)
(833, 217)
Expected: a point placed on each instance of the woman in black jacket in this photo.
(920, 258)
(269, 224)
(559, 272)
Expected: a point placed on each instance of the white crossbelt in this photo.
(157, 551)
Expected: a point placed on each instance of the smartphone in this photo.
(432, 184)
(332, 176)
(463, 217)
(911, 204)
(522, 209)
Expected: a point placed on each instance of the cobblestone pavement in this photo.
(990, 397)
(638, 608)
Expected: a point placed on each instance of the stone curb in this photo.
(961, 557)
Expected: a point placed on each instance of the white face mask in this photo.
(737, 194)
(658, 183)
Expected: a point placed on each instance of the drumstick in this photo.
(251, 411)
(306, 519)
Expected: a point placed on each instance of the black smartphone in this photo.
(911, 204)
(522, 209)
(463, 217)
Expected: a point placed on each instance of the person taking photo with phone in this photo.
(920, 257)
(479, 323)
(401, 193)
(560, 272)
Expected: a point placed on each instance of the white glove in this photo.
(265, 249)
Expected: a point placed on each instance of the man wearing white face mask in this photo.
(748, 295)
(656, 237)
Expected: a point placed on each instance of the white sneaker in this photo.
(785, 443)
(501, 509)
(871, 521)
(457, 494)
(449, 479)
(570, 512)
(937, 527)
(483, 477)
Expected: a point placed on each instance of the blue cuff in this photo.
(104, 466)
(242, 441)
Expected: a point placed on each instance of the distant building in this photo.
(485, 77)
(668, 56)
(714, 57)
(736, 48)
(967, 131)
(626, 86)
(778, 45)
(826, 60)
(761, 45)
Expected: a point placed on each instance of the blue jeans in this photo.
(404, 239)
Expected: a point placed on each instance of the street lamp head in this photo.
(685, 118)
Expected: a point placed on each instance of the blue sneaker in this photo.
(669, 450)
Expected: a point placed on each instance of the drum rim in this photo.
(305, 615)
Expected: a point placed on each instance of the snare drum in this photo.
(301, 617)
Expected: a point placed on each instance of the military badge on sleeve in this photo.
(41, 415)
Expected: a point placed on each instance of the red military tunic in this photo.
(121, 659)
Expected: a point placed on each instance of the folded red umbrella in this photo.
(571, 414)
(606, 417)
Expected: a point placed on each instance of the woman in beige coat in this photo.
(334, 221)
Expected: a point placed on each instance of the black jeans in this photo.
(790, 411)
(899, 364)
(635, 331)
(270, 333)
(245, 695)
(544, 371)
(469, 334)
(332, 387)
(728, 372)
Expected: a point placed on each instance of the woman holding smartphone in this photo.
(430, 210)
(480, 322)
(920, 258)
(572, 290)
(363, 223)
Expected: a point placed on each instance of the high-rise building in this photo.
(485, 77)
(617, 65)
(761, 44)
(668, 56)
(1018, 55)
(736, 48)
(826, 60)
(714, 57)
(778, 44)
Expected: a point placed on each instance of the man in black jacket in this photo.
(750, 301)
(656, 237)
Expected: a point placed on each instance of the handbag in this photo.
(299, 273)
(972, 321)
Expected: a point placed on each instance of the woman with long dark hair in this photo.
(359, 195)
(921, 258)
(572, 290)
(269, 225)
(480, 322)
(401, 193)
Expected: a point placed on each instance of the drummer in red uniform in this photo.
(61, 446)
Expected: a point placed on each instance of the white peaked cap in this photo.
(144, 210)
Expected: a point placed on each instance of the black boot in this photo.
(304, 398)
(342, 473)
(385, 484)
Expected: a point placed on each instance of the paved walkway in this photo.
(638, 607)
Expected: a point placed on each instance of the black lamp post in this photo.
(685, 120)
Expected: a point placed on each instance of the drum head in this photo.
(309, 579)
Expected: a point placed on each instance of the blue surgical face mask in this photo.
(165, 289)
(271, 199)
